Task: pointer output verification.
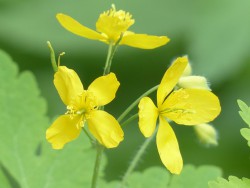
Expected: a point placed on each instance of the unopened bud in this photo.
(196, 82)
(207, 134)
(188, 70)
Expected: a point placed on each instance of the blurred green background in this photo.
(214, 34)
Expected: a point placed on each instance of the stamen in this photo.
(59, 58)
(80, 124)
(70, 110)
(113, 7)
(80, 112)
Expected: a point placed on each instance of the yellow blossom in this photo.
(183, 106)
(82, 107)
(111, 27)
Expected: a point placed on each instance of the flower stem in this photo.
(136, 159)
(130, 119)
(111, 52)
(99, 148)
(91, 139)
(108, 60)
(99, 152)
(121, 117)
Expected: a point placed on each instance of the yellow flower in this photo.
(82, 106)
(110, 27)
(183, 106)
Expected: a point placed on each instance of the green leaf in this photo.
(24, 151)
(245, 111)
(245, 115)
(231, 183)
(245, 132)
(160, 177)
(113, 184)
(195, 177)
(3, 179)
(151, 177)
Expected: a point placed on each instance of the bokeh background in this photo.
(214, 34)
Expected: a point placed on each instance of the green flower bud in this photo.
(197, 82)
(188, 70)
(207, 134)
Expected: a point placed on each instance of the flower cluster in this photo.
(181, 97)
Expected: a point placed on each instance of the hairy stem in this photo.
(136, 159)
(122, 116)
(99, 152)
(99, 148)
(130, 119)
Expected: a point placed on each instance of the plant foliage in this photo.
(245, 115)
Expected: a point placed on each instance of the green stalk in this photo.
(108, 60)
(146, 143)
(99, 148)
(99, 152)
(111, 52)
(136, 159)
(129, 119)
(122, 116)
(91, 139)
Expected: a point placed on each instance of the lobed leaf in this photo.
(151, 177)
(195, 177)
(245, 111)
(231, 183)
(24, 152)
(161, 178)
(245, 115)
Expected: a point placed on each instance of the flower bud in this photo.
(197, 82)
(207, 134)
(188, 70)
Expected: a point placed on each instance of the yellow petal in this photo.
(63, 130)
(168, 147)
(75, 27)
(148, 115)
(191, 106)
(105, 128)
(171, 78)
(144, 41)
(68, 84)
(104, 89)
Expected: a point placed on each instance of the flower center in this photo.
(82, 105)
(112, 24)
